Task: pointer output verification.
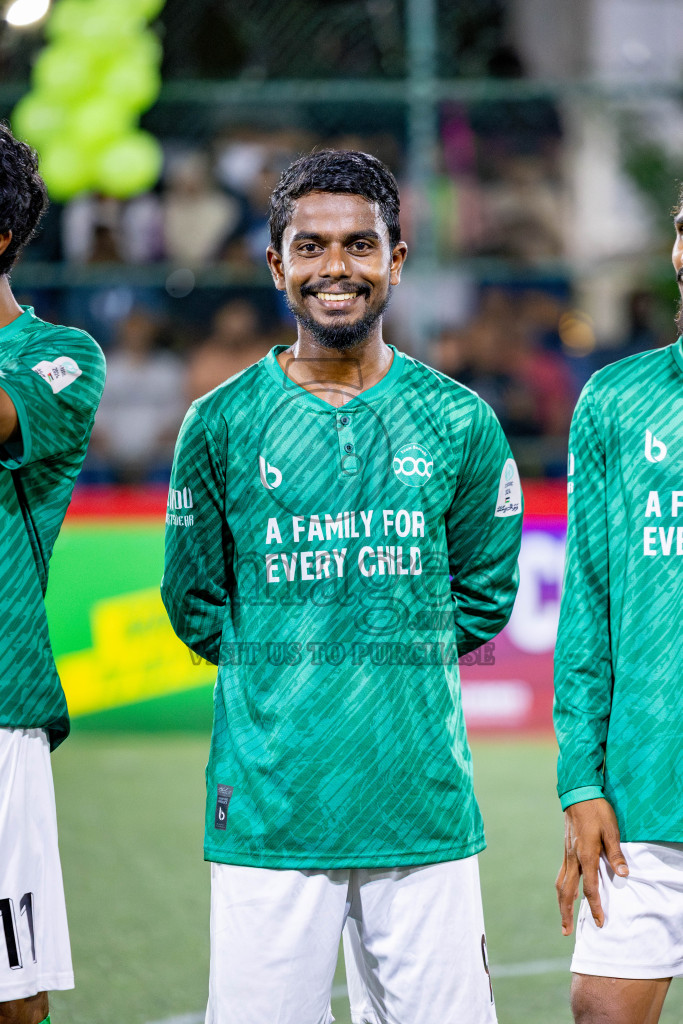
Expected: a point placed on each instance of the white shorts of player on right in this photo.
(642, 936)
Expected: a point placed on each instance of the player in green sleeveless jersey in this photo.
(343, 523)
(51, 380)
(618, 707)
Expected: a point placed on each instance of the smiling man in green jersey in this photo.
(618, 706)
(51, 381)
(343, 523)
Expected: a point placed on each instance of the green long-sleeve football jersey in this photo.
(55, 377)
(309, 551)
(618, 695)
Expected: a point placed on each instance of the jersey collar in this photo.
(378, 390)
(677, 352)
(17, 325)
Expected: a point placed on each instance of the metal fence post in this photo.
(423, 144)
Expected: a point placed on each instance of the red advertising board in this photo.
(507, 684)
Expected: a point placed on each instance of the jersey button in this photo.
(344, 420)
(348, 447)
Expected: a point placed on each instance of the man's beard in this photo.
(341, 337)
(679, 318)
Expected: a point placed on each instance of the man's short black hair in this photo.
(335, 170)
(675, 210)
(23, 196)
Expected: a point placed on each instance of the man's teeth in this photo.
(335, 296)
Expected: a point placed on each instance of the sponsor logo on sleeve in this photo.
(413, 465)
(509, 500)
(59, 373)
(177, 507)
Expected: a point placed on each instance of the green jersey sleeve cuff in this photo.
(15, 454)
(577, 796)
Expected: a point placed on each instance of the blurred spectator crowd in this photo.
(151, 382)
(515, 350)
(498, 192)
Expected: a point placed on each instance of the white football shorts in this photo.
(414, 945)
(642, 936)
(35, 955)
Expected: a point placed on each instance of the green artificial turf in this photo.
(131, 815)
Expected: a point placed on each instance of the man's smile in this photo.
(337, 300)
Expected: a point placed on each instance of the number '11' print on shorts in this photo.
(9, 927)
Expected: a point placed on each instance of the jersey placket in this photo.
(349, 460)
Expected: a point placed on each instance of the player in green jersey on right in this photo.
(618, 703)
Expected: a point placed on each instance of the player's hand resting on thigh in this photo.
(589, 828)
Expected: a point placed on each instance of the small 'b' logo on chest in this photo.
(270, 476)
(655, 450)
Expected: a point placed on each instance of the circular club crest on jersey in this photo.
(413, 465)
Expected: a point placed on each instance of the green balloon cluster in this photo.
(97, 74)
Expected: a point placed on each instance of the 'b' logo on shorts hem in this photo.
(413, 465)
(485, 958)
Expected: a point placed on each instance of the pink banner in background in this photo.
(509, 688)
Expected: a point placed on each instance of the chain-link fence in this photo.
(537, 214)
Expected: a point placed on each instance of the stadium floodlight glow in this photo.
(26, 12)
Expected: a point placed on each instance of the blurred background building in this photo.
(537, 147)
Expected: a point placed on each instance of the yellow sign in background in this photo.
(135, 656)
(111, 637)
